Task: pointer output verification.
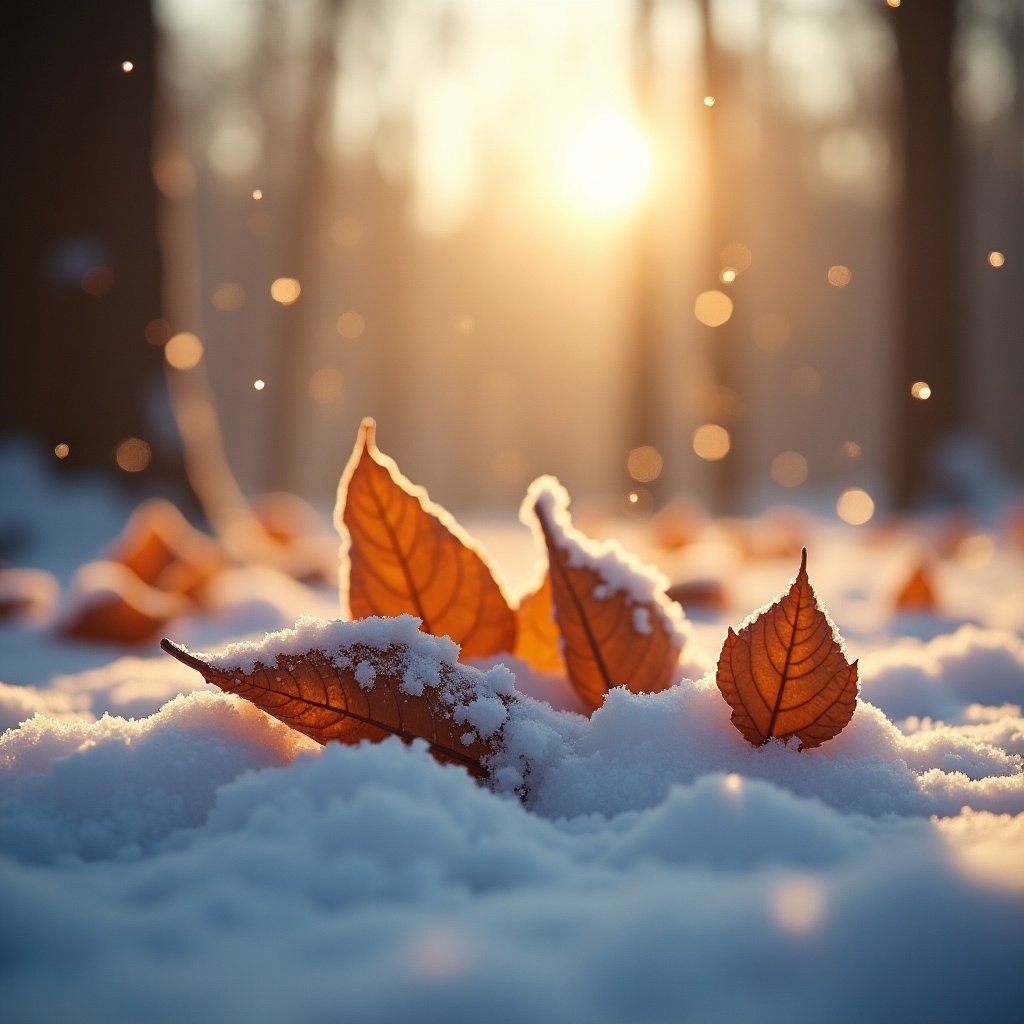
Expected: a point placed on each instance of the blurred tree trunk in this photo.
(81, 266)
(932, 315)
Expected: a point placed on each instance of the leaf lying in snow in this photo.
(165, 551)
(618, 628)
(351, 681)
(108, 603)
(536, 630)
(785, 674)
(407, 555)
(917, 594)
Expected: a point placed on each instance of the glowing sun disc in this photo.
(605, 164)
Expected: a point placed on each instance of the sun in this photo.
(605, 164)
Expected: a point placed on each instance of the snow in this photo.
(168, 852)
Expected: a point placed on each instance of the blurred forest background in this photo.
(753, 251)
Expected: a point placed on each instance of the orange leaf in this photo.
(784, 673)
(353, 681)
(617, 627)
(536, 630)
(165, 551)
(918, 591)
(110, 604)
(408, 555)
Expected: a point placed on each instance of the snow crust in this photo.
(171, 853)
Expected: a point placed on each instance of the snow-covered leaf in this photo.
(618, 628)
(353, 681)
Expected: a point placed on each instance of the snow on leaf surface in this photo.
(403, 554)
(785, 674)
(353, 681)
(617, 626)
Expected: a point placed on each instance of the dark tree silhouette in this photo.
(932, 311)
(81, 267)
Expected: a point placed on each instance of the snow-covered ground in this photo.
(170, 853)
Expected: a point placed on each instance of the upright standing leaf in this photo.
(618, 628)
(407, 555)
(353, 681)
(784, 674)
(536, 631)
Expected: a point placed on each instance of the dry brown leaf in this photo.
(917, 594)
(407, 555)
(110, 604)
(165, 551)
(784, 674)
(702, 593)
(537, 636)
(611, 636)
(360, 691)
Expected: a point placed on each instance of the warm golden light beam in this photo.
(605, 164)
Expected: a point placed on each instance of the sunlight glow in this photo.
(712, 308)
(709, 101)
(644, 463)
(259, 385)
(839, 276)
(285, 290)
(257, 194)
(605, 165)
(921, 390)
(183, 351)
(711, 442)
(127, 66)
(855, 506)
(996, 259)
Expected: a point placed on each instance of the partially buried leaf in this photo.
(407, 555)
(618, 628)
(165, 551)
(108, 603)
(785, 674)
(536, 630)
(353, 681)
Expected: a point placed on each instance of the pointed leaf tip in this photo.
(358, 692)
(785, 674)
(616, 627)
(403, 554)
(180, 654)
